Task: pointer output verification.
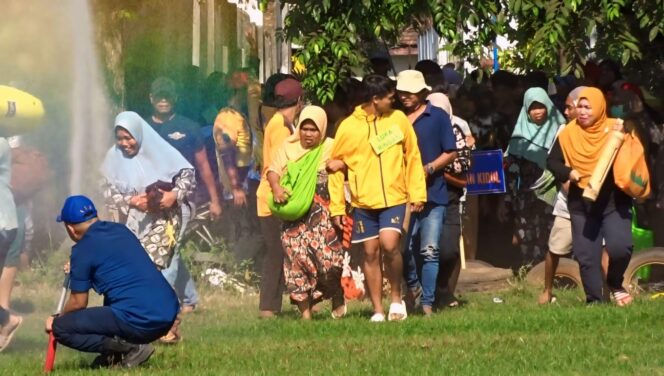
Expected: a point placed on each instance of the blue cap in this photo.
(77, 209)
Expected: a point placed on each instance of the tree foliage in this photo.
(334, 35)
(557, 36)
(553, 35)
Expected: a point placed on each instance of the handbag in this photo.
(160, 242)
(630, 169)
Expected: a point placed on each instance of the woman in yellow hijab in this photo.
(313, 253)
(573, 158)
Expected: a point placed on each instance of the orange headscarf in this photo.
(582, 147)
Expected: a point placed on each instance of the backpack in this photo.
(461, 163)
(30, 172)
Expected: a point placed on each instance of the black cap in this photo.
(163, 87)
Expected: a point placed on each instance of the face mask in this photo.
(617, 111)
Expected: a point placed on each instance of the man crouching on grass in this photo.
(139, 305)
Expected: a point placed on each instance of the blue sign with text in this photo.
(486, 173)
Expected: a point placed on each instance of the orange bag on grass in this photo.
(630, 170)
(352, 281)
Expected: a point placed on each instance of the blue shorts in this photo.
(368, 223)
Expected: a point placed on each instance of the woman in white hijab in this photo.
(139, 159)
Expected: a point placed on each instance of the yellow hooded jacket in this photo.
(394, 177)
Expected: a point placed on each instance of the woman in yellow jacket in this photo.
(379, 147)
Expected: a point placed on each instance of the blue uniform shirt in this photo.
(434, 137)
(111, 260)
(181, 133)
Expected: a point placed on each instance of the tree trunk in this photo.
(109, 19)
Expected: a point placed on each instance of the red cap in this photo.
(289, 89)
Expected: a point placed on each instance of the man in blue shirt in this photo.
(437, 144)
(184, 135)
(139, 305)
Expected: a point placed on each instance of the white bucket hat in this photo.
(411, 81)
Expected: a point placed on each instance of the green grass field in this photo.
(225, 337)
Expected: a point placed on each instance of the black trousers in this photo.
(449, 252)
(272, 274)
(90, 330)
(6, 240)
(588, 231)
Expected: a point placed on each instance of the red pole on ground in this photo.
(50, 353)
(52, 343)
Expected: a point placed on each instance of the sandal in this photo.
(342, 314)
(447, 301)
(170, 338)
(173, 336)
(378, 317)
(5, 340)
(622, 298)
(397, 312)
(552, 299)
(454, 304)
(189, 308)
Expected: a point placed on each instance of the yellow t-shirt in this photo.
(232, 124)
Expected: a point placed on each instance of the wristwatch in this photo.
(430, 169)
